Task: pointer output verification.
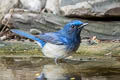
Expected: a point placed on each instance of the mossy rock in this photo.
(20, 48)
(100, 49)
(31, 48)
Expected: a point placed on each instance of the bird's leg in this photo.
(56, 60)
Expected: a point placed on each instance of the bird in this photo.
(59, 44)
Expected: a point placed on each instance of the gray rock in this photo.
(6, 5)
(2, 44)
(33, 5)
(35, 31)
(53, 6)
(102, 30)
(28, 21)
(91, 8)
(49, 22)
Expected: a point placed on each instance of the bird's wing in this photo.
(52, 37)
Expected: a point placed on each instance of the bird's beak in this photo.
(83, 25)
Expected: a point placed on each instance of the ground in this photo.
(27, 48)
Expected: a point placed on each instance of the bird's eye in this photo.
(73, 26)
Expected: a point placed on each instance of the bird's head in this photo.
(74, 27)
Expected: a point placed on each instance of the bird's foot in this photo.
(56, 61)
(59, 61)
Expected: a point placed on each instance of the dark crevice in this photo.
(107, 18)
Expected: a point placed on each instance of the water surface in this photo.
(46, 69)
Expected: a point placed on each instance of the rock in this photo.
(108, 30)
(53, 6)
(30, 5)
(6, 5)
(91, 9)
(35, 31)
(2, 44)
(28, 21)
(1, 25)
(113, 12)
(33, 5)
(48, 22)
(3, 38)
(67, 9)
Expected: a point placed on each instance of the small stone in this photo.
(73, 78)
(37, 74)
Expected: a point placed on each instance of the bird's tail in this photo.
(27, 35)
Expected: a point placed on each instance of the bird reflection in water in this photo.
(57, 72)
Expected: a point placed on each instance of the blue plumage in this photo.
(58, 44)
(27, 35)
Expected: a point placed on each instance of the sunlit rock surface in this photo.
(53, 6)
(33, 5)
(91, 8)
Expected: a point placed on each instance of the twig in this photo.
(11, 11)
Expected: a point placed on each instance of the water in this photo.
(45, 69)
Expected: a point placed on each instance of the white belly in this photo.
(54, 51)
